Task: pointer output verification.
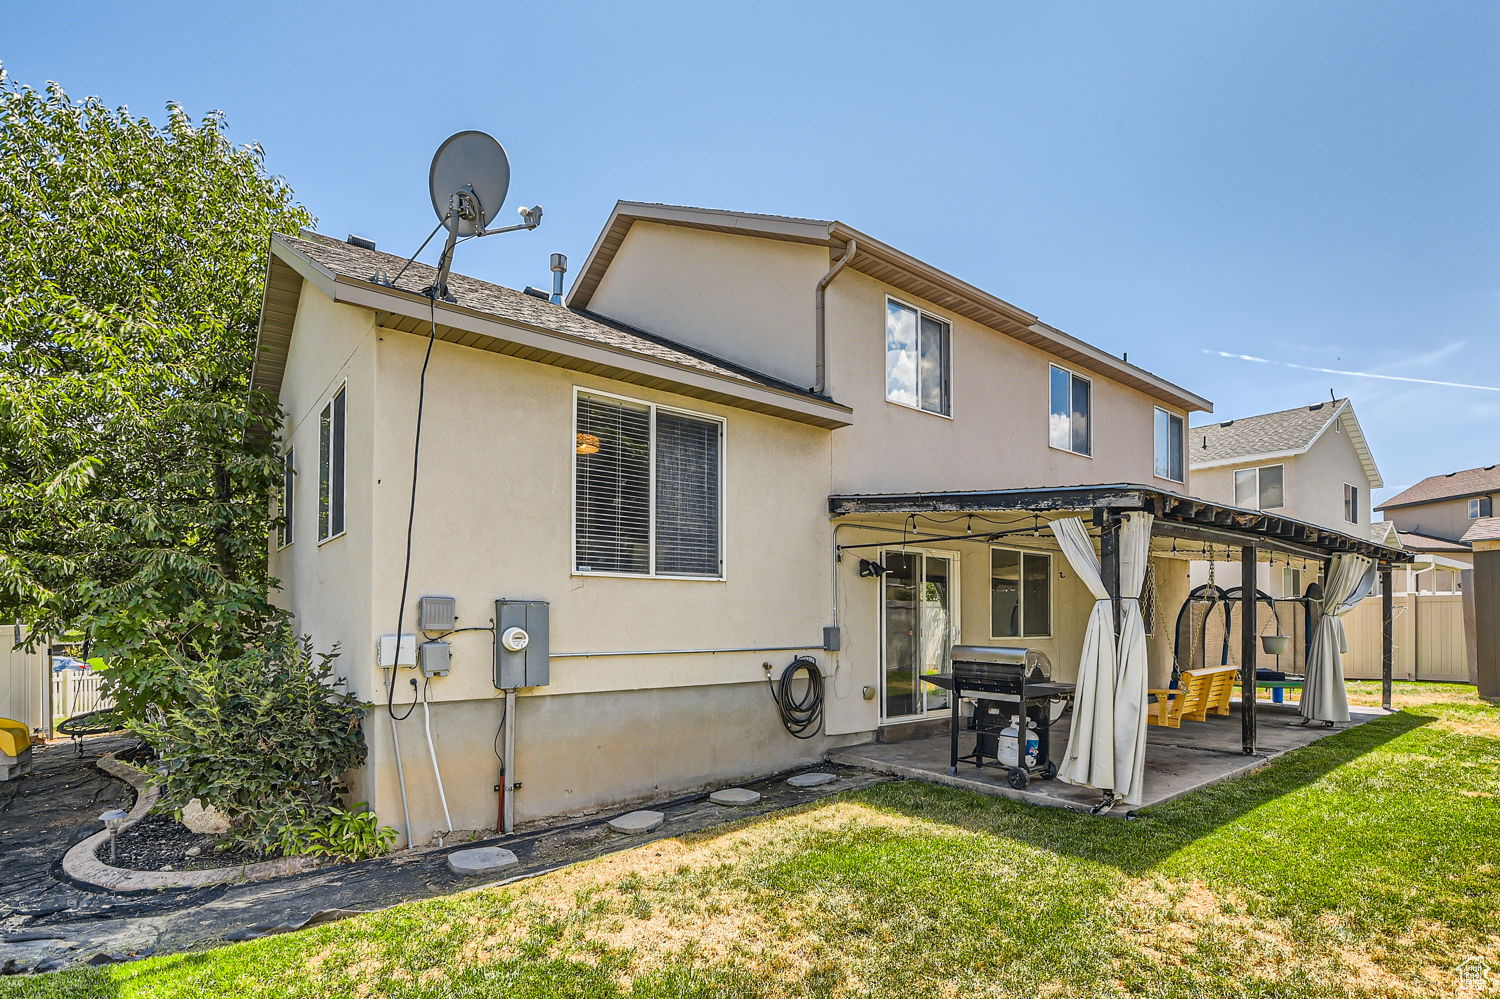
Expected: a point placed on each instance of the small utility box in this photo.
(521, 644)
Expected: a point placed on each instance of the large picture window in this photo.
(1070, 424)
(331, 468)
(1020, 594)
(1259, 488)
(647, 490)
(1169, 445)
(916, 358)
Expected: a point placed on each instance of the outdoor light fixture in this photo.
(588, 443)
(870, 568)
(112, 820)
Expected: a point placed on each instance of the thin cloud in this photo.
(1352, 374)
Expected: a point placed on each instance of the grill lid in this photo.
(1008, 655)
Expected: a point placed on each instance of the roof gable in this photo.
(888, 265)
(1283, 434)
(1448, 486)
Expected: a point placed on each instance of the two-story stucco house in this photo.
(743, 438)
(1433, 515)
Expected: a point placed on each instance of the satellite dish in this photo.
(474, 164)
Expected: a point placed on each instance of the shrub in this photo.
(264, 736)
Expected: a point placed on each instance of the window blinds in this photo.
(617, 529)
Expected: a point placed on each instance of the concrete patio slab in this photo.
(1178, 760)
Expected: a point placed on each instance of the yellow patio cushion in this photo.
(15, 738)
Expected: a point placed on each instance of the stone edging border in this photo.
(82, 864)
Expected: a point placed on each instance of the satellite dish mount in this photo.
(468, 181)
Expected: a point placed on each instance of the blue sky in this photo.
(1309, 183)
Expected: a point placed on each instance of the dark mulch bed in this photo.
(160, 841)
(138, 754)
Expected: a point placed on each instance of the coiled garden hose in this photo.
(801, 715)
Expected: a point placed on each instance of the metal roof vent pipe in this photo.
(559, 268)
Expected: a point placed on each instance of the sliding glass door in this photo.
(919, 624)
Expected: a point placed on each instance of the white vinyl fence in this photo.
(76, 691)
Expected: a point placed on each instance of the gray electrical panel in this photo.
(433, 658)
(437, 613)
(522, 647)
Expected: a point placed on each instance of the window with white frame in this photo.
(1260, 488)
(285, 506)
(1481, 506)
(916, 358)
(1069, 422)
(647, 490)
(331, 468)
(1168, 445)
(1351, 503)
(1020, 593)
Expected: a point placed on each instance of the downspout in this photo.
(820, 340)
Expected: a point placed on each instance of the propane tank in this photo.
(1005, 744)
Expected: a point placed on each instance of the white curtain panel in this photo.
(1090, 759)
(1131, 677)
(1349, 580)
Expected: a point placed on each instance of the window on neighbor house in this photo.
(1291, 582)
(285, 507)
(1351, 503)
(1168, 445)
(1069, 424)
(1020, 594)
(331, 468)
(647, 490)
(1259, 488)
(1481, 506)
(916, 358)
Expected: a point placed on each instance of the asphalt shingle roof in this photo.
(1427, 543)
(1268, 433)
(1483, 529)
(507, 303)
(1469, 482)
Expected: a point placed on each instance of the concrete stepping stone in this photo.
(642, 821)
(734, 796)
(811, 780)
(480, 860)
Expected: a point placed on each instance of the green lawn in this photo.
(1365, 865)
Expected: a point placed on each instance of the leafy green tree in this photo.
(136, 468)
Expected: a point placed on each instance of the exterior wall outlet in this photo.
(434, 658)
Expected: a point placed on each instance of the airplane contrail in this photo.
(1352, 374)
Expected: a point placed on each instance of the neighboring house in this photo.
(1311, 463)
(1433, 515)
(679, 460)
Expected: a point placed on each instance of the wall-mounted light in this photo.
(871, 568)
(588, 443)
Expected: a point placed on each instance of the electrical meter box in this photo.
(522, 645)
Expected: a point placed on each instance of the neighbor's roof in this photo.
(1483, 529)
(886, 264)
(1282, 434)
(1453, 485)
(502, 320)
(1427, 543)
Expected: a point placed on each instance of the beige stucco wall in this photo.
(742, 299)
(1313, 484)
(1444, 519)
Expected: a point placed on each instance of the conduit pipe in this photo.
(432, 751)
(508, 781)
(400, 774)
(820, 340)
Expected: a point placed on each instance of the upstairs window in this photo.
(1481, 506)
(1351, 503)
(1069, 426)
(1259, 488)
(647, 490)
(331, 468)
(1020, 594)
(916, 358)
(285, 506)
(1168, 445)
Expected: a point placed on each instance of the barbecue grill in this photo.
(1003, 682)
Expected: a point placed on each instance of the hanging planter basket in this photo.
(1276, 645)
